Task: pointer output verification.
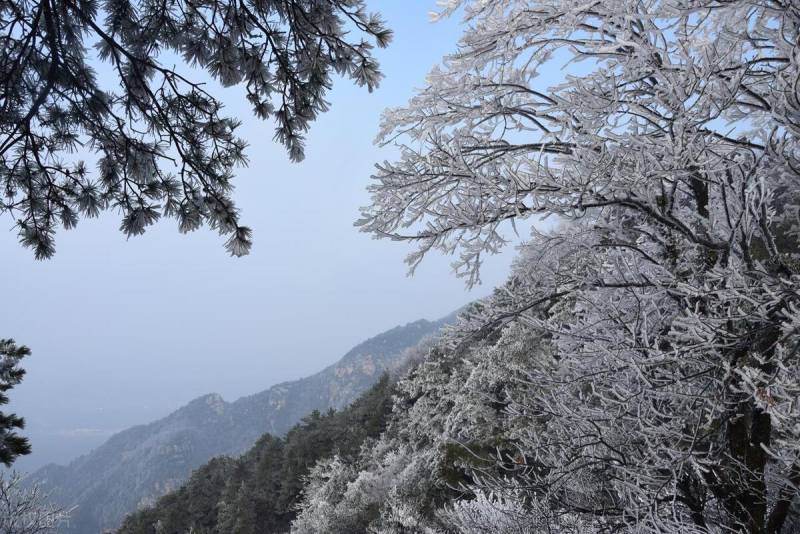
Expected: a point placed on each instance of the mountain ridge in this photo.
(135, 466)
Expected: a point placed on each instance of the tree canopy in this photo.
(91, 77)
(659, 388)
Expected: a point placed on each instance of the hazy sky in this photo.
(123, 332)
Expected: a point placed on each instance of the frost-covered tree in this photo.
(12, 444)
(667, 396)
(25, 510)
(420, 463)
(162, 141)
(669, 109)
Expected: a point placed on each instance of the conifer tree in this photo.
(12, 445)
(163, 145)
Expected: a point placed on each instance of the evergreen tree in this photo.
(12, 445)
(163, 145)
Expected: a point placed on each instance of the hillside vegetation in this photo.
(258, 492)
(135, 467)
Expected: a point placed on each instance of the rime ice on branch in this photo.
(664, 395)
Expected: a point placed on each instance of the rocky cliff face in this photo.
(136, 466)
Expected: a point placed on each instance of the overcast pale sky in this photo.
(123, 332)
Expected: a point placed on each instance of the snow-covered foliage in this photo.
(681, 113)
(26, 510)
(639, 371)
(506, 513)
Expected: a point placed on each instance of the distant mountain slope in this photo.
(136, 466)
(257, 493)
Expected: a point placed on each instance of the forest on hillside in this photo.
(258, 491)
(639, 370)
